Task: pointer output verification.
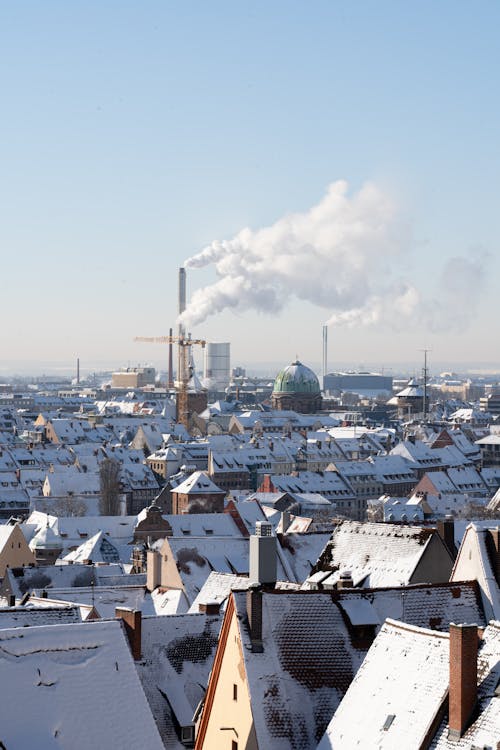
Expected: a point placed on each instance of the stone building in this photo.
(296, 388)
(197, 494)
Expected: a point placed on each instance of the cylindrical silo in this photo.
(217, 367)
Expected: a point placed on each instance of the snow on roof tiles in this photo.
(307, 665)
(56, 684)
(404, 676)
(383, 554)
(485, 729)
(198, 482)
(177, 658)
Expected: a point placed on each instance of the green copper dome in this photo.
(296, 378)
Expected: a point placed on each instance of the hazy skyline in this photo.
(136, 135)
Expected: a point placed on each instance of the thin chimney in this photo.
(254, 616)
(463, 677)
(170, 361)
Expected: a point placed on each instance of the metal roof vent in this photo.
(388, 722)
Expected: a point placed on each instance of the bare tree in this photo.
(109, 474)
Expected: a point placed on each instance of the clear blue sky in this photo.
(134, 134)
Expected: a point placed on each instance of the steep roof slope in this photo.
(400, 687)
(376, 554)
(177, 656)
(484, 732)
(72, 686)
(306, 666)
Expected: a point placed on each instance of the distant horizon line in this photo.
(50, 368)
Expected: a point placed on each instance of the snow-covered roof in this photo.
(400, 687)
(306, 666)
(23, 617)
(376, 554)
(106, 599)
(425, 605)
(198, 483)
(177, 658)
(56, 684)
(485, 728)
(217, 588)
(473, 562)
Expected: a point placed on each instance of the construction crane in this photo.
(184, 343)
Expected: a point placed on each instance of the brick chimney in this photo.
(463, 677)
(254, 615)
(446, 530)
(132, 619)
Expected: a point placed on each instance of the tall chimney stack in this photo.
(182, 297)
(78, 371)
(325, 352)
(463, 678)
(170, 361)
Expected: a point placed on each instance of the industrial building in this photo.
(217, 366)
(133, 377)
(369, 384)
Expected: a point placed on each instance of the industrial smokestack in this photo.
(181, 364)
(78, 371)
(182, 297)
(170, 361)
(325, 352)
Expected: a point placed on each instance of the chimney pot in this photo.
(463, 677)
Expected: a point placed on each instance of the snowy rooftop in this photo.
(56, 683)
(400, 685)
(306, 666)
(375, 554)
(177, 658)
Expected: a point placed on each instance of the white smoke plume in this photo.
(345, 255)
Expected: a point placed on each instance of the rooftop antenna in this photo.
(425, 373)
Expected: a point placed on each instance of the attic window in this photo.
(186, 532)
(388, 722)
(187, 734)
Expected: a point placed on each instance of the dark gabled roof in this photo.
(306, 666)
